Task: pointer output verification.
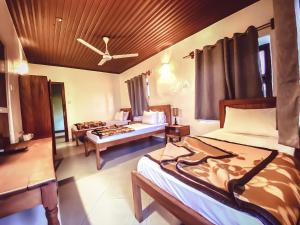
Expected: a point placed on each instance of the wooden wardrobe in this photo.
(35, 105)
(4, 124)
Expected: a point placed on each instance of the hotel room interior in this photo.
(154, 112)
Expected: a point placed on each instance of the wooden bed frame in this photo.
(99, 147)
(187, 215)
(76, 134)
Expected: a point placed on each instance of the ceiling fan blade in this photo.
(125, 56)
(103, 61)
(90, 46)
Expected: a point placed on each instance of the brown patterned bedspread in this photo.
(111, 130)
(262, 182)
(89, 125)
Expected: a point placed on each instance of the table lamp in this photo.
(175, 112)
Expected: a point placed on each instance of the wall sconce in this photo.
(22, 68)
(165, 69)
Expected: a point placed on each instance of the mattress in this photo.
(139, 128)
(210, 208)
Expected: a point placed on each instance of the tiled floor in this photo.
(91, 197)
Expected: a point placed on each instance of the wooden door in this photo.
(35, 105)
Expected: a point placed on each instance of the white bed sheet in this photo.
(117, 122)
(210, 208)
(139, 128)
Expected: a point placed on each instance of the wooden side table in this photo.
(176, 132)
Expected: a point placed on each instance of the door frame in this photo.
(63, 98)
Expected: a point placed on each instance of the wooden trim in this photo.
(63, 97)
(184, 213)
(99, 147)
(252, 103)
(52, 117)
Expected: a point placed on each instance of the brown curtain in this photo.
(287, 72)
(137, 90)
(226, 70)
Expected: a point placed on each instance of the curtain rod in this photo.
(262, 27)
(147, 73)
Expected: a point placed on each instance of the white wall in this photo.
(89, 95)
(14, 55)
(177, 88)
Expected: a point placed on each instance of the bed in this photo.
(188, 204)
(140, 131)
(78, 133)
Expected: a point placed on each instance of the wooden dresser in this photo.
(28, 179)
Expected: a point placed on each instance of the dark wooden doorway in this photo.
(58, 100)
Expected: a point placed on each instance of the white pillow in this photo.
(125, 115)
(150, 117)
(137, 118)
(161, 117)
(251, 121)
(119, 116)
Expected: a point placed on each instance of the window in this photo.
(265, 66)
(148, 86)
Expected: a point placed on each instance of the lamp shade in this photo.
(175, 111)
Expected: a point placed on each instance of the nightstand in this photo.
(176, 132)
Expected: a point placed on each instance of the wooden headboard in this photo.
(161, 108)
(254, 103)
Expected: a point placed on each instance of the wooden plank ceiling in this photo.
(142, 26)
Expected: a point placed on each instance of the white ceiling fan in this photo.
(106, 55)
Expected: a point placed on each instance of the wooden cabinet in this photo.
(4, 125)
(35, 105)
(3, 99)
(4, 130)
(176, 132)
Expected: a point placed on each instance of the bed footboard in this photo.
(187, 215)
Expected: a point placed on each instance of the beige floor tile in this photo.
(104, 197)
